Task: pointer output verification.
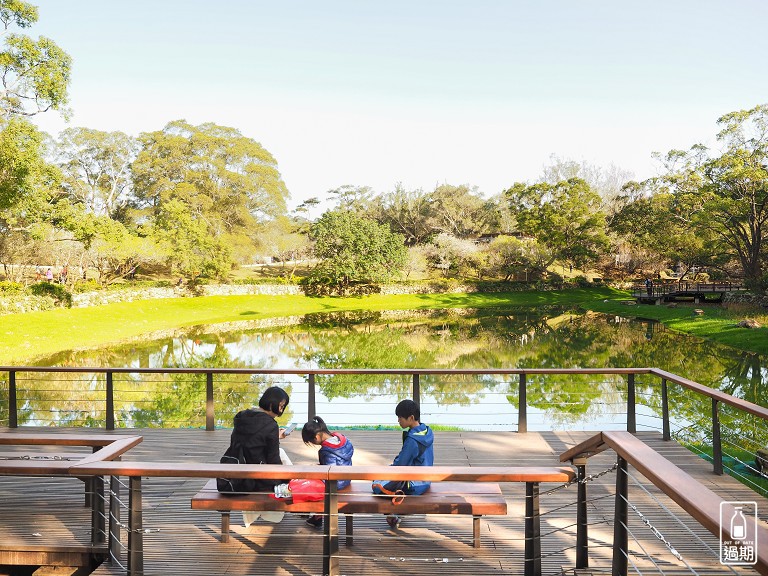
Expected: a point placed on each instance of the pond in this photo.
(544, 337)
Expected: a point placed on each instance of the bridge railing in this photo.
(728, 430)
(699, 502)
(658, 289)
(120, 512)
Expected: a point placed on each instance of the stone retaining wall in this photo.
(28, 303)
(747, 298)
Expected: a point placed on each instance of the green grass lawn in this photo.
(737, 463)
(717, 323)
(35, 334)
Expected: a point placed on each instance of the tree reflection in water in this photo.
(541, 337)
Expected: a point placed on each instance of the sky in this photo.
(417, 93)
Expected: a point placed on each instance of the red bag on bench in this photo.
(304, 490)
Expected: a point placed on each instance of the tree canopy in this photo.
(566, 217)
(97, 169)
(725, 196)
(34, 74)
(355, 249)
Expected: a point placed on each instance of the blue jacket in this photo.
(417, 451)
(333, 454)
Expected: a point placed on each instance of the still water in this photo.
(551, 337)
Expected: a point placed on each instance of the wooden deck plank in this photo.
(182, 540)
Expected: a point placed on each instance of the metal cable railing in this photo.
(703, 510)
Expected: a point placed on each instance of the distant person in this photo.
(649, 286)
(416, 451)
(49, 274)
(335, 450)
(63, 274)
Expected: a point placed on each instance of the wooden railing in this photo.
(104, 448)
(664, 288)
(697, 500)
(531, 476)
(717, 398)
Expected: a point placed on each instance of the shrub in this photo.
(7, 288)
(85, 286)
(55, 291)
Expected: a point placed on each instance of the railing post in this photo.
(522, 406)
(114, 520)
(620, 519)
(416, 389)
(331, 530)
(13, 414)
(665, 410)
(717, 448)
(532, 530)
(631, 418)
(135, 528)
(110, 401)
(210, 414)
(311, 406)
(98, 524)
(582, 521)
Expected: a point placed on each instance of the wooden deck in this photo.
(184, 541)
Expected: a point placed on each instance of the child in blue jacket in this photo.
(335, 450)
(416, 451)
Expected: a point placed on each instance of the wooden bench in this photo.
(470, 498)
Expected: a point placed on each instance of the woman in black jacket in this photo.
(258, 434)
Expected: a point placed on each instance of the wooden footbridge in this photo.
(633, 501)
(683, 291)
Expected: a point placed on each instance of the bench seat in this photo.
(468, 498)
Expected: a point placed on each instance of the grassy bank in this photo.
(35, 334)
(717, 324)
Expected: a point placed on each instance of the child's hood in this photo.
(343, 449)
(422, 434)
(339, 442)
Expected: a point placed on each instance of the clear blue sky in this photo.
(419, 92)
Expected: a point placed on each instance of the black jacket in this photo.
(259, 436)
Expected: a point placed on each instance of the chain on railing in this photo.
(656, 532)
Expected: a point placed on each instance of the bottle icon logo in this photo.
(738, 525)
(738, 533)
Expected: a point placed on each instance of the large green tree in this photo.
(22, 165)
(658, 232)
(725, 195)
(408, 212)
(565, 217)
(97, 168)
(34, 74)
(355, 249)
(460, 211)
(225, 184)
